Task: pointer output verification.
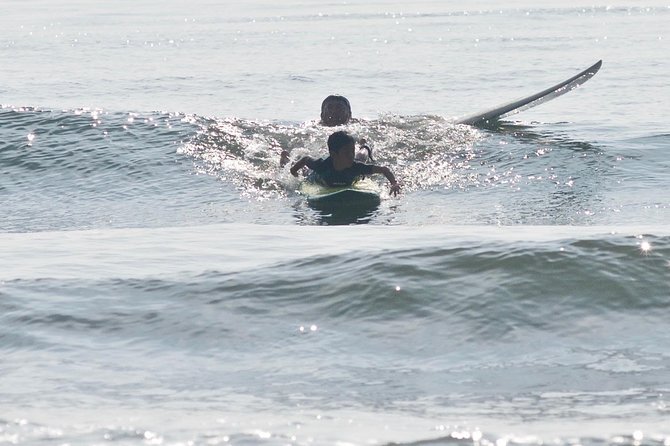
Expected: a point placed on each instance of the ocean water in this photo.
(163, 281)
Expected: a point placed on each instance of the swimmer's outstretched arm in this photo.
(395, 187)
(305, 161)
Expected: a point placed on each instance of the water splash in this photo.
(423, 151)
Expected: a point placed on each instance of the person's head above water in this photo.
(340, 140)
(341, 147)
(335, 110)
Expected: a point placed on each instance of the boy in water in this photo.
(341, 168)
(335, 110)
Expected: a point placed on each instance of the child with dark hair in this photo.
(335, 110)
(341, 168)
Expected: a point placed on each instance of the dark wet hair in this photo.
(336, 97)
(338, 140)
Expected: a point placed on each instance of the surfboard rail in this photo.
(361, 191)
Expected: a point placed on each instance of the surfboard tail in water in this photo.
(519, 105)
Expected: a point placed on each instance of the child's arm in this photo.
(395, 187)
(305, 161)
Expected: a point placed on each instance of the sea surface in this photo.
(164, 282)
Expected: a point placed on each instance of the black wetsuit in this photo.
(325, 173)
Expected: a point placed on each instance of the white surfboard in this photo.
(488, 116)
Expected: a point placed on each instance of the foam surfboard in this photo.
(360, 194)
(509, 108)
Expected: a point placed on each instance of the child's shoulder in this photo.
(318, 163)
(362, 167)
